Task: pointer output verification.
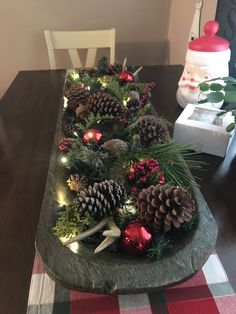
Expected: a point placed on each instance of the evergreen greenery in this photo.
(166, 244)
(90, 160)
(70, 222)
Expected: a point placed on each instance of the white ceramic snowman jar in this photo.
(207, 58)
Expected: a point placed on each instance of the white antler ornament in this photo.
(111, 234)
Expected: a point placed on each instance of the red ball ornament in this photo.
(92, 136)
(136, 238)
(126, 76)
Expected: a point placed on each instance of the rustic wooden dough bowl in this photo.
(115, 273)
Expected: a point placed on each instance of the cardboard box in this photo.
(201, 126)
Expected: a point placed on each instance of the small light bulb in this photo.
(75, 75)
(64, 160)
(65, 105)
(88, 88)
(76, 134)
(125, 101)
(61, 198)
(132, 170)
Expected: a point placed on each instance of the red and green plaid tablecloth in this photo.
(208, 292)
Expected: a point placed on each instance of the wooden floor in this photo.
(219, 189)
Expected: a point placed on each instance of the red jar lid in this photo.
(209, 42)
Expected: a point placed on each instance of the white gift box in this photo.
(202, 126)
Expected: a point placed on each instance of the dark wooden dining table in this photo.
(28, 113)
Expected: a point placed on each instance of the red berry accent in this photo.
(143, 170)
(65, 145)
(133, 190)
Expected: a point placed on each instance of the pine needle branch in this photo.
(174, 160)
(115, 90)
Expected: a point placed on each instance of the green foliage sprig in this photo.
(70, 222)
(161, 248)
(164, 245)
(89, 162)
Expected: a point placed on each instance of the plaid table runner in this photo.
(208, 292)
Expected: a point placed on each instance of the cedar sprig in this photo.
(70, 222)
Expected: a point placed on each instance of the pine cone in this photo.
(133, 105)
(77, 183)
(145, 95)
(152, 130)
(102, 199)
(76, 95)
(104, 104)
(116, 146)
(114, 69)
(82, 111)
(69, 130)
(163, 207)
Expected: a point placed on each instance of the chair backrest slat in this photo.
(75, 59)
(91, 56)
(74, 40)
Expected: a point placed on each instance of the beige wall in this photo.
(147, 32)
(182, 12)
(142, 28)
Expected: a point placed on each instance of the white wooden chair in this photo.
(74, 40)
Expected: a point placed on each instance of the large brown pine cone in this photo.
(104, 104)
(102, 199)
(76, 95)
(152, 130)
(163, 207)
